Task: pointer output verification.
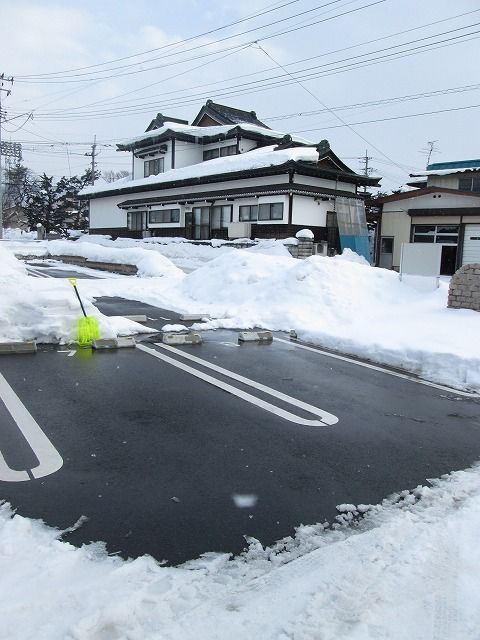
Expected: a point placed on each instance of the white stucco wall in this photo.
(105, 214)
(395, 223)
(308, 212)
(246, 145)
(322, 182)
(187, 153)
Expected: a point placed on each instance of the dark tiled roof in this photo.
(228, 115)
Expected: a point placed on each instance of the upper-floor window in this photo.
(220, 152)
(153, 167)
(164, 215)
(469, 184)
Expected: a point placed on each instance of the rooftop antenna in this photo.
(430, 150)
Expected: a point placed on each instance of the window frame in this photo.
(473, 184)
(271, 207)
(220, 152)
(153, 167)
(137, 215)
(225, 216)
(250, 207)
(173, 216)
(450, 231)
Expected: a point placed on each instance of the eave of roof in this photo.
(299, 167)
(185, 136)
(416, 193)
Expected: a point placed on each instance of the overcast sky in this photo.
(78, 73)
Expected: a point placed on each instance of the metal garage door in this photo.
(471, 244)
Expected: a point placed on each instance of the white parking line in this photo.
(326, 419)
(36, 273)
(48, 457)
(396, 374)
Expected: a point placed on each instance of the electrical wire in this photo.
(267, 37)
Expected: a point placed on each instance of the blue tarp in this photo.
(352, 226)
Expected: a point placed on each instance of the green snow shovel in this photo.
(87, 327)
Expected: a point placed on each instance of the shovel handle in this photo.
(79, 299)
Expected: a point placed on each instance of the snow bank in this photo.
(148, 263)
(408, 569)
(342, 304)
(46, 310)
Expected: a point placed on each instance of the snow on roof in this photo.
(256, 159)
(206, 132)
(455, 167)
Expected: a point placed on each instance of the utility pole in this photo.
(3, 80)
(92, 155)
(366, 169)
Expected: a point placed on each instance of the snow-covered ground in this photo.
(404, 570)
(408, 571)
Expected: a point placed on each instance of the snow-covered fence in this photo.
(464, 290)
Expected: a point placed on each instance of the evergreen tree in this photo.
(55, 205)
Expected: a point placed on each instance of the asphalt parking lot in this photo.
(176, 452)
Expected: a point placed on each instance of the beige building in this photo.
(443, 207)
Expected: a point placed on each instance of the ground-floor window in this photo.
(221, 216)
(248, 213)
(164, 215)
(445, 234)
(137, 220)
(264, 211)
(270, 211)
(441, 233)
(201, 223)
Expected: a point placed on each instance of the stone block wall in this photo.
(464, 290)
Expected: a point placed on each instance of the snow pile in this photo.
(46, 310)
(148, 263)
(408, 569)
(18, 234)
(340, 303)
(305, 233)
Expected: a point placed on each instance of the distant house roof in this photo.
(445, 168)
(416, 193)
(213, 113)
(458, 164)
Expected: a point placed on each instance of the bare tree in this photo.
(110, 175)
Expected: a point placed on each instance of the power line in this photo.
(352, 62)
(410, 115)
(170, 45)
(334, 113)
(267, 37)
(136, 91)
